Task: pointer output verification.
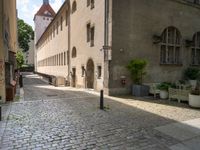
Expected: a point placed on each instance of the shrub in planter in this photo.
(137, 70)
(192, 74)
(163, 87)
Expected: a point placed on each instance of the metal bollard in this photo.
(20, 81)
(0, 113)
(101, 100)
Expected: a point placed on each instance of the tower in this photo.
(42, 19)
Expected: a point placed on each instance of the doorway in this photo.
(90, 74)
(73, 77)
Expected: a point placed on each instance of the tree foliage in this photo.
(25, 35)
(20, 59)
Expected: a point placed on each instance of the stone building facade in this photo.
(8, 45)
(101, 37)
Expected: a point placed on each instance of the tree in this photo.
(25, 35)
(20, 58)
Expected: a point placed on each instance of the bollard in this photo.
(20, 81)
(101, 100)
(0, 113)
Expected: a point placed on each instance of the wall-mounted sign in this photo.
(1, 71)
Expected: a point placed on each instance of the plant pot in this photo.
(140, 90)
(193, 83)
(164, 94)
(194, 100)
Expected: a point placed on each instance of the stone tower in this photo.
(42, 19)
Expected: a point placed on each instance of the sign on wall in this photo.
(1, 71)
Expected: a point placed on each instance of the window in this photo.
(197, 1)
(83, 71)
(171, 46)
(88, 32)
(53, 30)
(74, 7)
(61, 23)
(88, 2)
(92, 37)
(57, 27)
(74, 52)
(99, 73)
(196, 49)
(64, 58)
(92, 4)
(66, 17)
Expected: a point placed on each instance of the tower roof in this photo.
(45, 10)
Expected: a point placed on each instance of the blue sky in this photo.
(27, 8)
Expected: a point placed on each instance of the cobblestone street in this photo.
(66, 118)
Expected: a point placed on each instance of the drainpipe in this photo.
(106, 48)
(69, 43)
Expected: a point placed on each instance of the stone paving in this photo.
(65, 118)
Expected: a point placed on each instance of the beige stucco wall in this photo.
(8, 22)
(79, 20)
(134, 24)
(60, 43)
(48, 47)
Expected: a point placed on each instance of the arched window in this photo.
(74, 53)
(196, 49)
(74, 6)
(170, 52)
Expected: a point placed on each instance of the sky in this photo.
(28, 8)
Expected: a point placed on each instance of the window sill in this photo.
(178, 65)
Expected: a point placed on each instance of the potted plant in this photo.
(163, 87)
(194, 97)
(137, 71)
(192, 74)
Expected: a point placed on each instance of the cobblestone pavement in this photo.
(63, 118)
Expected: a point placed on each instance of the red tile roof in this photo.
(43, 8)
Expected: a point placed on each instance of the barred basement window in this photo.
(170, 52)
(196, 49)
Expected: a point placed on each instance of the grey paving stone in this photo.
(72, 120)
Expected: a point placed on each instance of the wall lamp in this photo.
(156, 39)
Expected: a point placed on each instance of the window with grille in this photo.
(196, 49)
(170, 52)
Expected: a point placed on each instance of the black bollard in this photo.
(20, 81)
(101, 100)
(0, 113)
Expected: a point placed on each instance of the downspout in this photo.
(69, 43)
(106, 49)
